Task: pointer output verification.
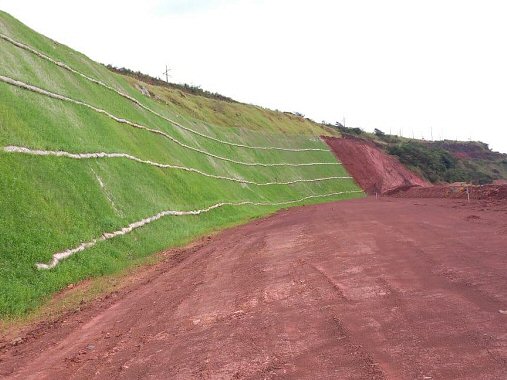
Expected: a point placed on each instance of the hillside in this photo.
(98, 173)
(227, 113)
(375, 171)
(439, 162)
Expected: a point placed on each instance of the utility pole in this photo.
(166, 73)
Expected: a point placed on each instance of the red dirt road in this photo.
(362, 289)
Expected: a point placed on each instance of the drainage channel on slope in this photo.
(138, 103)
(99, 155)
(59, 256)
(40, 91)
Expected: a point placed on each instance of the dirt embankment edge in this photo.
(374, 171)
(454, 191)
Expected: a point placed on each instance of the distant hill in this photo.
(444, 161)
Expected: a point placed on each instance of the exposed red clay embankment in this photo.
(377, 172)
(373, 170)
(361, 289)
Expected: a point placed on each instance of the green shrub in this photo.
(437, 164)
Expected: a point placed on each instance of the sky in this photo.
(433, 68)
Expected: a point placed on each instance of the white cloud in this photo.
(381, 64)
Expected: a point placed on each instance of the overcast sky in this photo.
(410, 66)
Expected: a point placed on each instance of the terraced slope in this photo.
(96, 176)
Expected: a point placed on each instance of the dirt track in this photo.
(363, 289)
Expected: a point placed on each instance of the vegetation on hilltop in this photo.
(238, 117)
(188, 88)
(213, 108)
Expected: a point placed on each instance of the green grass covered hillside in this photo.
(79, 162)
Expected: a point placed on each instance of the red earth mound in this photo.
(373, 170)
(458, 191)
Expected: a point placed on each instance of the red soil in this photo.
(373, 170)
(362, 289)
(487, 192)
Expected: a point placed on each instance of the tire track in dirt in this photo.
(347, 290)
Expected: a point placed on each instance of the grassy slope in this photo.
(234, 115)
(49, 204)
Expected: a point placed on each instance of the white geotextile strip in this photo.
(53, 95)
(57, 257)
(81, 156)
(96, 81)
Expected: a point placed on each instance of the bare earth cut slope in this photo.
(374, 170)
(361, 289)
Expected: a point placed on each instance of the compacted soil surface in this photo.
(361, 289)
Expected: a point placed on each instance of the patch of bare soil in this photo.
(373, 170)
(361, 289)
